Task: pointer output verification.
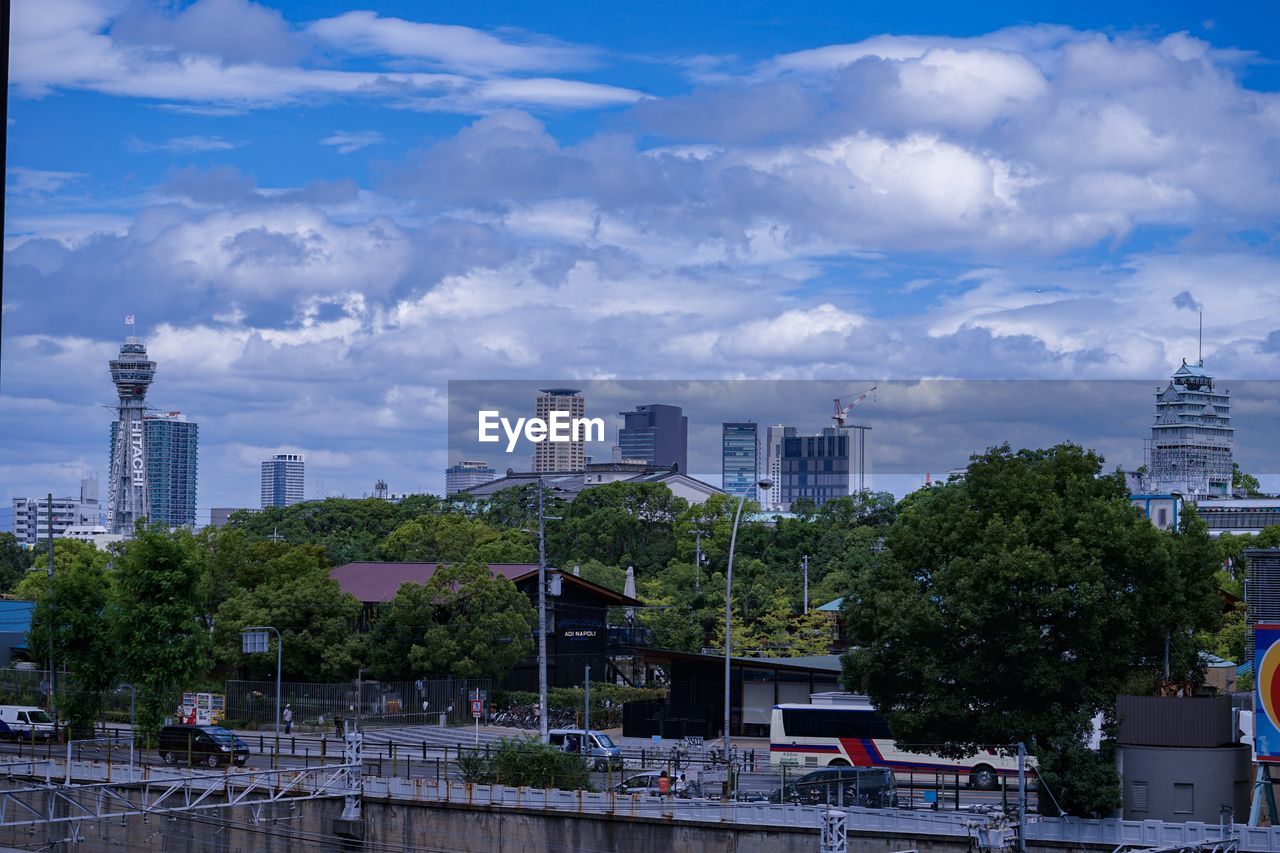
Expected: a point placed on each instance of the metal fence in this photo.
(24, 687)
(375, 703)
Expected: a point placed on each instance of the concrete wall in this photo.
(1184, 784)
(309, 825)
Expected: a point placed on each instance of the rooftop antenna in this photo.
(1201, 347)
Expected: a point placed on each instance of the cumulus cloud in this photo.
(903, 206)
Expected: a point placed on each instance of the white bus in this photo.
(855, 734)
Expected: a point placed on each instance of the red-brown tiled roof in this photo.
(372, 582)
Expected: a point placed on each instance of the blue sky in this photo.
(321, 212)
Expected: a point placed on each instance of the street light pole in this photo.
(245, 634)
(728, 615)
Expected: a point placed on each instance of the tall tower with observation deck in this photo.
(127, 498)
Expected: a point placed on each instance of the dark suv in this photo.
(211, 745)
(869, 787)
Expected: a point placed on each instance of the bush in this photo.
(527, 763)
(569, 699)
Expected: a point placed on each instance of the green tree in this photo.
(620, 524)
(74, 616)
(14, 561)
(160, 640)
(453, 537)
(1244, 483)
(347, 529)
(316, 621)
(1012, 605)
(400, 625)
(468, 623)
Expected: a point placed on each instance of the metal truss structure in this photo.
(52, 803)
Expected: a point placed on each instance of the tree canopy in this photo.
(1013, 605)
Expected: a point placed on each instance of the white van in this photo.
(26, 722)
(604, 752)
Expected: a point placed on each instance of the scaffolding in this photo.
(1190, 449)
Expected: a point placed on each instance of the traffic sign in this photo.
(477, 708)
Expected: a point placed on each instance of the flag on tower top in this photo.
(128, 319)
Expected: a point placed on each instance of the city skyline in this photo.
(321, 216)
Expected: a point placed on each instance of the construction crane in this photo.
(842, 412)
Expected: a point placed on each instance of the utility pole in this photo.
(805, 562)
(542, 618)
(53, 702)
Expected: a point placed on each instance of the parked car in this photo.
(869, 787)
(210, 745)
(26, 722)
(603, 752)
(646, 784)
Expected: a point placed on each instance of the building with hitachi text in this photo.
(172, 449)
(127, 495)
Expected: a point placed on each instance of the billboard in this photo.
(1266, 693)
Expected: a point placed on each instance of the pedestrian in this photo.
(664, 784)
(288, 718)
(682, 785)
(337, 725)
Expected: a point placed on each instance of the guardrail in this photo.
(1110, 834)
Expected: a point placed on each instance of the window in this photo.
(834, 723)
(1138, 796)
(1184, 798)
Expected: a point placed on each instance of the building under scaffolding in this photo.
(1192, 439)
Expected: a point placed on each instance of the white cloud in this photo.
(182, 144)
(200, 57)
(38, 181)
(903, 207)
(347, 141)
(456, 48)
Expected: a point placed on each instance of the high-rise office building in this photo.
(171, 454)
(559, 455)
(466, 475)
(773, 465)
(656, 434)
(740, 459)
(283, 479)
(815, 466)
(127, 492)
(1190, 449)
(31, 515)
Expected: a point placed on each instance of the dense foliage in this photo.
(1013, 605)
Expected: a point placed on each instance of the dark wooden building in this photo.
(577, 615)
